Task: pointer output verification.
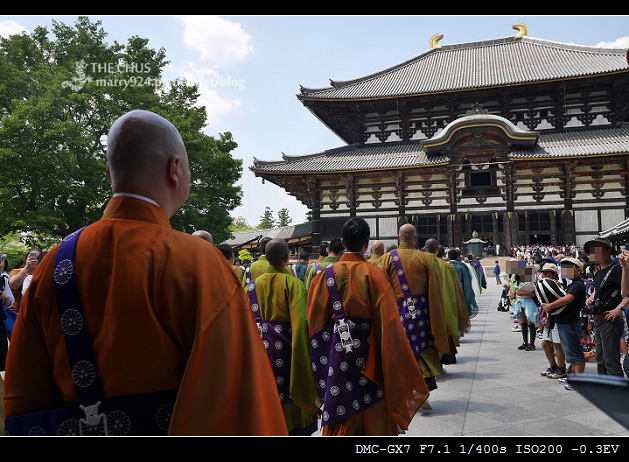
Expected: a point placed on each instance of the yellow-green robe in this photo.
(283, 298)
(258, 268)
(424, 277)
(312, 272)
(457, 316)
(374, 259)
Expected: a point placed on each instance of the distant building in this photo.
(520, 139)
(298, 237)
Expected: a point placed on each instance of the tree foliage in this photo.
(58, 97)
(266, 219)
(283, 218)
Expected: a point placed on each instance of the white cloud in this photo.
(217, 40)
(221, 44)
(622, 42)
(9, 27)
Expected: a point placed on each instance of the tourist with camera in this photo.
(607, 305)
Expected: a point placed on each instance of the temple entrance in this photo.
(542, 239)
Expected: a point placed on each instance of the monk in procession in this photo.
(352, 304)
(281, 299)
(260, 266)
(162, 309)
(457, 317)
(424, 283)
(377, 251)
(333, 253)
(228, 252)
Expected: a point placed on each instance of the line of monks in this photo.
(407, 309)
(130, 326)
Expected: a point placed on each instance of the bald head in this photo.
(146, 156)
(277, 252)
(377, 248)
(432, 245)
(407, 234)
(204, 235)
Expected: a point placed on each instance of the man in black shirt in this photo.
(607, 306)
(569, 319)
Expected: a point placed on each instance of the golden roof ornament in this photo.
(434, 39)
(522, 30)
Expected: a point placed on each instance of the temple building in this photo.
(516, 140)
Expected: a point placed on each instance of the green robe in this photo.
(283, 297)
(312, 273)
(258, 268)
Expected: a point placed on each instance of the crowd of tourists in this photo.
(573, 302)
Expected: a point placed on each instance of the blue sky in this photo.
(250, 68)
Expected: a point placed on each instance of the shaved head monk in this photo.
(135, 322)
(281, 299)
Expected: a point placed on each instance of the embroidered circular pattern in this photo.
(83, 373)
(118, 423)
(63, 271)
(68, 427)
(71, 321)
(163, 415)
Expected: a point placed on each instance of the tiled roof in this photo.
(353, 157)
(284, 232)
(398, 155)
(498, 62)
(578, 143)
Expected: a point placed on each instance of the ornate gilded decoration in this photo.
(434, 39)
(522, 30)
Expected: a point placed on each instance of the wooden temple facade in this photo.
(520, 139)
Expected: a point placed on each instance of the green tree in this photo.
(283, 219)
(59, 94)
(244, 256)
(266, 219)
(240, 224)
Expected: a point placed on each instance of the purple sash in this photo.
(413, 312)
(93, 414)
(278, 341)
(338, 353)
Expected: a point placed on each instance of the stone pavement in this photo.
(495, 389)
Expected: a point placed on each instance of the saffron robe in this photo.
(164, 311)
(424, 277)
(283, 298)
(240, 273)
(366, 293)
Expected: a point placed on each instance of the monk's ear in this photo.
(174, 170)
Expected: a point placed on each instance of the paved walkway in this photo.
(497, 390)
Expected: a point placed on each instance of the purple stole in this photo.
(413, 312)
(94, 414)
(338, 353)
(278, 341)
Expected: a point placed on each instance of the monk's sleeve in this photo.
(437, 308)
(29, 385)
(228, 387)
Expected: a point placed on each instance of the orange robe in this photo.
(164, 312)
(424, 277)
(367, 293)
